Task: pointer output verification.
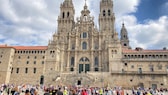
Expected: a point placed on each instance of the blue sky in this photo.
(151, 9)
(33, 22)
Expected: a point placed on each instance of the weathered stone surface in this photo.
(80, 53)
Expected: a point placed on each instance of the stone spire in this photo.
(85, 14)
(123, 31)
(85, 11)
(124, 37)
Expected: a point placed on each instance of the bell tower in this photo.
(124, 37)
(106, 16)
(66, 17)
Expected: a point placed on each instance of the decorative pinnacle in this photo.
(123, 23)
(85, 7)
(85, 2)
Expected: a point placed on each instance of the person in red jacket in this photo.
(84, 92)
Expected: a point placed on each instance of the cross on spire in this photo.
(85, 2)
(85, 6)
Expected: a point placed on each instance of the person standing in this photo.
(59, 92)
(27, 92)
(47, 92)
(65, 92)
(84, 92)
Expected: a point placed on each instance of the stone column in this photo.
(76, 65)
(69, 42)
(92, 48)
(100, 41)
(62, 57)
(76, 52)
(68, 61)
(100, 63)
(92, 61)
(92, 56)
(100, 60)
(68, 57)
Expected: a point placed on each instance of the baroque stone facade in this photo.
(81, 54)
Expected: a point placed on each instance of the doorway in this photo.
(42, 80)
(79, 82)
(84, 68)
(141, 85)
(154, 86)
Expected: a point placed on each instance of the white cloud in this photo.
(23, 22)
(122, 7)
(7, 11)
(40, 4)
(152, 34)
(2, 37)
(32, 22)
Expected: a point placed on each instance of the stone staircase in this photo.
(72, 79)
(56, 78)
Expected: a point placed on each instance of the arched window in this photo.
(63, 15)
(140, 70)
(84, 59)
(84, 35)
(67, 14)
(73, 46)
(151, 68)
(84, 45)
(109, 12)
(104, 13)
(72, 61)
(125, 44)
(26, 70)
(96, 61)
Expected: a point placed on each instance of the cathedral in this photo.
(82, 54)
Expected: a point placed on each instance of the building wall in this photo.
(33, 61)
(116, 65)
(6, 62)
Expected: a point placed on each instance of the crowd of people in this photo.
(106, 91)
(17, 89)
(75, 90)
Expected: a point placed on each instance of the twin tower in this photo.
(66, 19)
(79, 46)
